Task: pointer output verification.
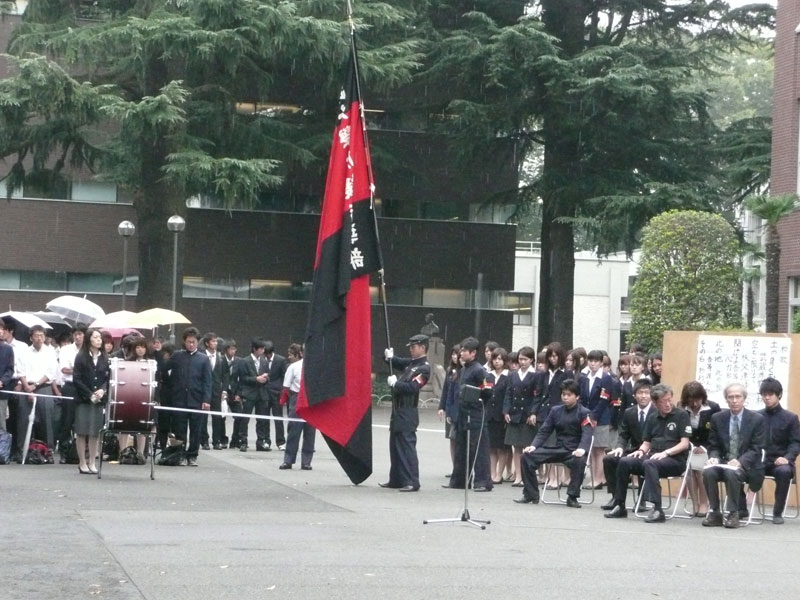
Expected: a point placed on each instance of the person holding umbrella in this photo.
(90, 377)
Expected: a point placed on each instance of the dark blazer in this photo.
(548, 394)
(518, 400)
(494, 406)
(782, 430)
(190, 378)
(6, 364)
(88, 377)
(629, 435)
(219, 375)
(572, 427)
(751, 443)
(231, 377)
(277, 371)
(245, 372)
(598, 399)
(703, 431)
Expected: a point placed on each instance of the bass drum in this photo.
(130, 398)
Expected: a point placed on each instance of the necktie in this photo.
(734, 449)
(641, 417)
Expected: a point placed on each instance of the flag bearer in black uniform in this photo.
(573, 427)
(782, 443)
(404, 472)
(472, 416)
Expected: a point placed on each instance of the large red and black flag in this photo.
(335, 392)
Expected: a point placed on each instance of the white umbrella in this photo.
(26, 319)
(153, 317)
(75, 309)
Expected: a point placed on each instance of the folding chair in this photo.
(684, 477)
(560, 485)
(762, 507)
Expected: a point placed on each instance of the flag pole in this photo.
(381, 273)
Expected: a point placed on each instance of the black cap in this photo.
(420, 339)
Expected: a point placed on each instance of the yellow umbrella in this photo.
(153, 317)
(115, 320)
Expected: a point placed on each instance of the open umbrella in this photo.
(153, 317)
(75, 309)
(23, 322)
(57, 322)
(117, 324)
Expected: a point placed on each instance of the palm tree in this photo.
(771, 209)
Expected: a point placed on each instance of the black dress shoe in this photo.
(524, 500)
(573, 502)
(206, 446)
(261, 448)
(285, 466)
(408, 488)
(731, 521)
(481, 488)
(656, 516)
(306, 467)
(744, 514)
(713, 519)
(609, 505)
(618, 512)
(243, 448)
(388, 484)
(777, 520)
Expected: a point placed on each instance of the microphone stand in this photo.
(468, 476)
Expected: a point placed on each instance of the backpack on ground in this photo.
(172, 455)
(39, 454)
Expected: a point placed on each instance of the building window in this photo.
(91, 282)
(42, 280)
(794, 299)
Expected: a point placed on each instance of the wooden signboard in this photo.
(716, 359)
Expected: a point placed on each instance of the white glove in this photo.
(391, 380)
(388, 354)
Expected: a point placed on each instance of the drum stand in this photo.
(151, 437)
(468, 477)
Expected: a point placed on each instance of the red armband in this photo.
(284, 396)
(604, 394)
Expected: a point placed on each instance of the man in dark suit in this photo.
(276, 369)
(629, 438)
(219, 376)
(782, 445)
(231, 393)
(6, 376)
(734, 456)
(251, 377)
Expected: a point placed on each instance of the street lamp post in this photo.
(126, 229)
(175, 224)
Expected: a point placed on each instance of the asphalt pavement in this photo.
(237, 527)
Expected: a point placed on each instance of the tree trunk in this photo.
(560, 176)
(155, 202)
(750, 304)
(772, 251)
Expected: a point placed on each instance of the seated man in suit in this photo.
(782, 434)
(572, 424)
(734, 456)
(629, 438)
(663, 453)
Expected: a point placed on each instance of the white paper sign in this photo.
(724, 359)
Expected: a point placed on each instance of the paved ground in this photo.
(237, 527)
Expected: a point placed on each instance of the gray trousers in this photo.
(295, 429)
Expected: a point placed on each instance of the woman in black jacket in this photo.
(494, 415)
(90, 377)
(694, 399)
